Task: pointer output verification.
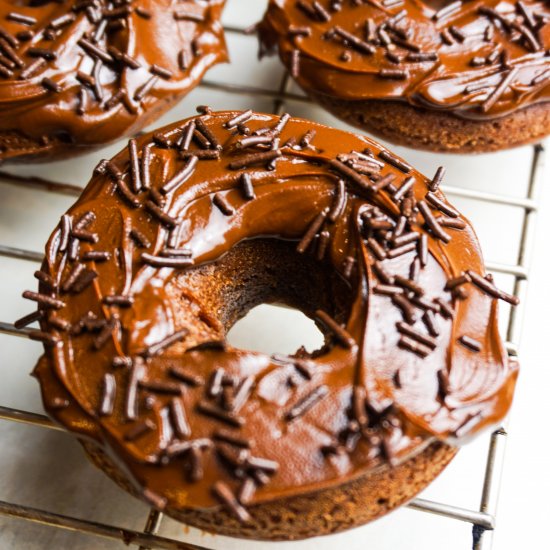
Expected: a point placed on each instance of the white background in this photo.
(47, 469)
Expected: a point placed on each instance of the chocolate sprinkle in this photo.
(470, 343)
(233, 439)
(126, 194)
(196, 472)
(306, 403)
(96, 256)
(51, 85)
(58, 403)
(338, 204)
(108, 395)
(406, 308)
(187, 377)
(393, 74)
(145, 88)
(212, 410)
(58, 323)
(437, 179)
(166, 342)
(359, 396)
(134, 165)
(247, 491)
(140, 239)
(414, 346)
(387, 290)
(226, 497)
(33, 68)
(399, 251)
(241, 118)
(425, 339)
(20, 18)
(340, 333)
(313, 228)
(85, 278)
(105, 333)
(242, 394)
(246, 186)
(179, 418)
(145, 167)
(131, 404)
(160, 386)
(395, 162)
(254, 159)
(73, 276)
(180, 176)
(429, 321)
(28, 319)
(181, 447)
(44, 337)
(354, 41)
(223, 206)
(125, 362)
(446, 309)
(432, 223)
(350, 174)
(162, 216)
(434, 200)
(453, 223)
(157, 501)
(489, 288)
(215, 382)
(499, 90)
(205, 131)
(43, 300)
(46, 280)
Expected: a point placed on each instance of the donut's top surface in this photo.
(479, 59)
(89, 72)
(135, 353)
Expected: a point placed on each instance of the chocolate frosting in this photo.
(136, 362)
(89, 72)
(477, 59)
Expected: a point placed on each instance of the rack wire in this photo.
(483, 520)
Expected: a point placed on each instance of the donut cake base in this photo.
(319, 513)
(432, 130)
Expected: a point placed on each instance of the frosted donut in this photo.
(182, 233)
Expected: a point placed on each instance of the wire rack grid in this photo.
(483, 519)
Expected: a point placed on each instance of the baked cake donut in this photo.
(78, 74)
(182, 233)
(453, 76)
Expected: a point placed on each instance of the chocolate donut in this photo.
(79, 74)
(462, 76)
(182, 233)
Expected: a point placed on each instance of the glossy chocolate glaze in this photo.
(478, 59)
(91, 72)
(369, 398)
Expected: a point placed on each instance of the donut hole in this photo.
(273, 329)
(213, 298)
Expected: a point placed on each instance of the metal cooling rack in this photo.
(482, 520)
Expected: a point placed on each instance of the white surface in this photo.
(47, 469)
